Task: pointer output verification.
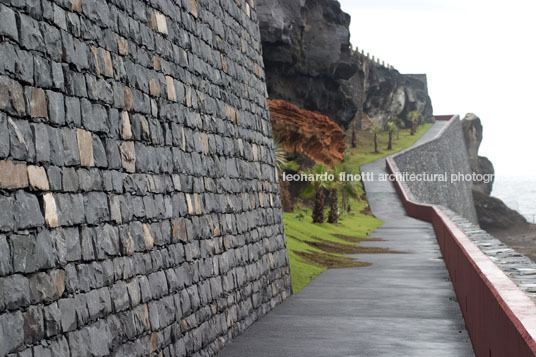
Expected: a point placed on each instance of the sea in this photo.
(518, 193)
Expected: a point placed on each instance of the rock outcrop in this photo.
(306, 50)
(309, 62)
(388, 92)
(492, 213)
(306, 135)
(472, 132)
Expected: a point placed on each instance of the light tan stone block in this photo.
(108, 66)
(38, 178)
(85, 146)
(255, 152)
(38, 104)
(51, 213)
(147, 238)
(170, 84)
(189, 204)
(183, 143)
(95, 54)
(231, 113)
(193, 6)
(156, 63)
(159, 22)
(115, 209)
(13, 175)
(127, 129)
(58, 277)
(77, 5)
(128, 98)
(145, 132)
(122, 46)
(153, 343)
(128, 156)
(154, 87)
(189, 97)
(204, 143)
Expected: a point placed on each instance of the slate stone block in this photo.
(7, 217)
(30, 34)
(96, 207)
(70, 147)
(52, 318)
(42, 142)
(68, 314)
(16, 291)
(8, 23)
(119, 296)
(20, 137)
(56, 107)
(58, 82)
(72, 111)
(11, 332)
(34, 329)
(33, 252)
(56, 146)
(27, 211)
(42, 72)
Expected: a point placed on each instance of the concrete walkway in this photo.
(402, 305)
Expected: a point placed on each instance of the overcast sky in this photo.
(480, 57)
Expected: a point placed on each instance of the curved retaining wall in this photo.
(139, 203)
(500, 318)
(443, 155)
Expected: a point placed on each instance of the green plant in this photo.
(414, 117)
(354, 137)
(319, 188)
(375, 129)
(333, 189)
(292, 166)
(300, 216)
(349, 189)
(390, 130)
(280, 157)
(396, 130)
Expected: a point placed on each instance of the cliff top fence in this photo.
(499, 316)
(367, 56)
(139, 203)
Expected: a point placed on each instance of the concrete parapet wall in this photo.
(139, 202)
(499, 316)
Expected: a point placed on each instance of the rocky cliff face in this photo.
(492, 213)
(307, 136)
(309, 62)
(306, 51)
(389, 92)
(472, 132)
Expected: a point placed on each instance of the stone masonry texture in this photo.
(444, 154)
(139, 203)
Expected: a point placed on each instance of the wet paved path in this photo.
(402, 305)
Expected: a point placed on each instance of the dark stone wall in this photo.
(139, 203)
(443, 154)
